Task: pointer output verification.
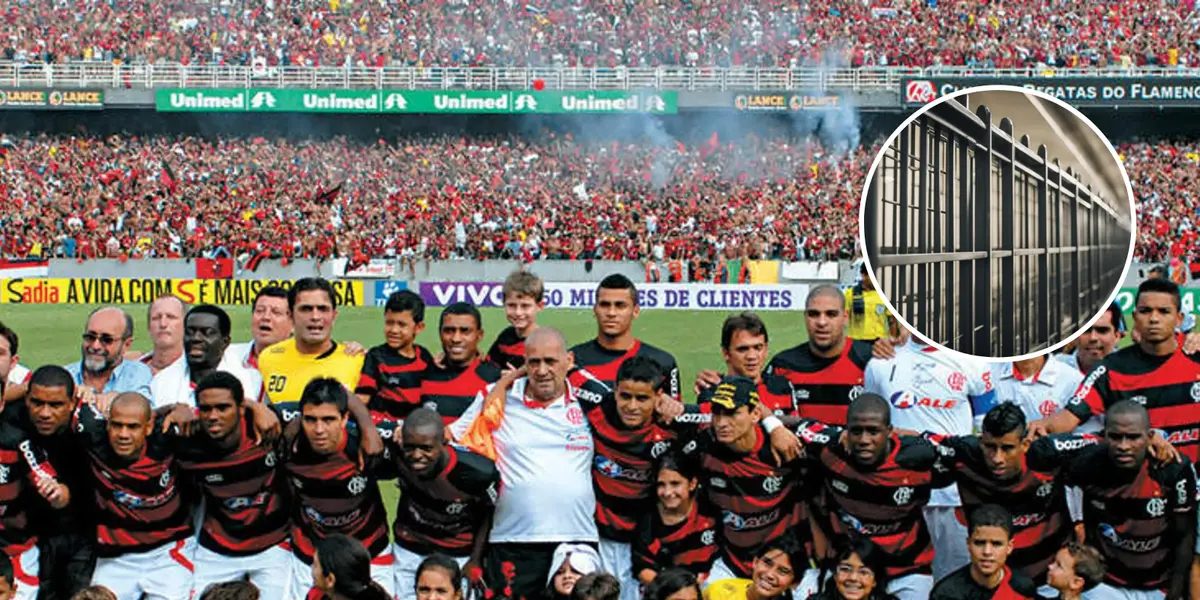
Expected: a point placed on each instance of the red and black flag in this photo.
(252, 264)
(329, 196)
(168, 179)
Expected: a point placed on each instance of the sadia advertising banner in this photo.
(224, 292)
(1076, 91)
(674, 296)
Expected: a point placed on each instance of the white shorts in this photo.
(1108, 592)
(164, 573)
(949, 540)
(381, 573)
(25, 572)
(404, 571)
(719, 571)
(617, 559)
(810, 580)
(263, 569)
(911, 587)
(1075, 503)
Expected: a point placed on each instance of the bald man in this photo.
(544, 449)
(144, 528)
(164, 321)
(103, 371)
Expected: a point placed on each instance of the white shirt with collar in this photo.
(173, 385)
(542, 452)
(1041, 395)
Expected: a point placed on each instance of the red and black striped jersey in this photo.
(392, 381)
(22, 465)
(1133, 517)
(1168, 386)
(1036, 497)
(823, 386)
(755, 498)
(62, 452)
(245, 502)
(508, 349)
(450, 390)
(443, 512)
(330, 494)
(883, 503)
(959, 585)
(689, 544)
(774, 392)
(603, 363)
(139, 504)
(623, 466)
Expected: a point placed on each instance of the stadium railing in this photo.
(867, 79)
(984, 244)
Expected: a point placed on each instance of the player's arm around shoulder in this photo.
(1055, 451)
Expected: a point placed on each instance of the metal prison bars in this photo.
(984, 245)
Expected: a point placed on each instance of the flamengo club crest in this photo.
(902, 495)
(1156, 507)
(575, 415)
(957, 381)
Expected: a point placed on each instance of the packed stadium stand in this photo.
(456, 33)
(428, 197)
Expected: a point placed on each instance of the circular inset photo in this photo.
(997, 222)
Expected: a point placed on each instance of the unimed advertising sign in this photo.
(678, 296)
(413, 101)
(1077, 91)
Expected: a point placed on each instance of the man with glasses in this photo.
(103, 372)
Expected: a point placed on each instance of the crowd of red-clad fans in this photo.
(1166, 182)
(759, 33)
(448, 197)
(549, 196)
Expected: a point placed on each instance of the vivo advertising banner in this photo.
(677, 296)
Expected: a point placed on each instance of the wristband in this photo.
(771, 423)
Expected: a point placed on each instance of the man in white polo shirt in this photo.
(205, 340)
(1039, 386)
(544, 449)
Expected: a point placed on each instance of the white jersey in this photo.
(1071, 360)
(1093, 425)
(545, 460)
(19, 375)
(173, 385)
(932, 390)
(1041, 395)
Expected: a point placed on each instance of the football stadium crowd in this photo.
(723, 33)
(859, 464)
(445, 197)
(435, 197)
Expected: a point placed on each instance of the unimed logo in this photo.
(208, 101)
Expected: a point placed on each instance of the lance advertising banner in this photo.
(414, 101)
(51, 99)
(674, 296)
